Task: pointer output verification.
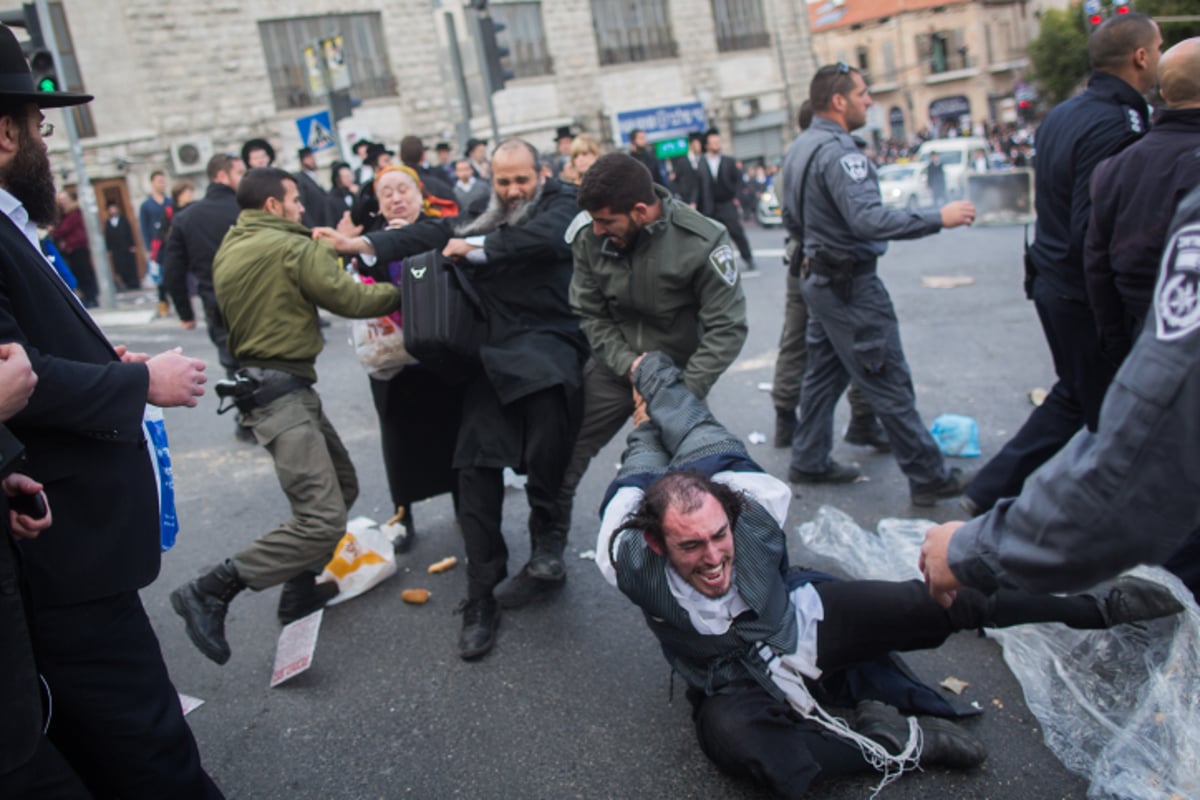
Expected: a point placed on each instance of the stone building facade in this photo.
(932, 64)
(177, 80)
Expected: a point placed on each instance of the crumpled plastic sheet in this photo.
(1120, 707)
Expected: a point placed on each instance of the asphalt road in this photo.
(576, 699)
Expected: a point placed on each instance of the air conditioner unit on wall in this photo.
(191, 155)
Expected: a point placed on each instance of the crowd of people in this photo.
(611, 286)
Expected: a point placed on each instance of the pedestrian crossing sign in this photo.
(316, 131)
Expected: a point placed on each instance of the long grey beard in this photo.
(498, 214)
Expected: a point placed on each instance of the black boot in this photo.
(943, 742)
(408, 535)
(302, 595)
(955, 484)
(522, 589)
(1130, 599)
(867, 432)
(481, 618)
(785, 427)
(546, 556)
(202, 603)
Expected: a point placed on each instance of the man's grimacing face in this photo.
(699, 546)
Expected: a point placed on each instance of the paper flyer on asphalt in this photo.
(297, 643)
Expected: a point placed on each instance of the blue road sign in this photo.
(316, 131)
(663, 122)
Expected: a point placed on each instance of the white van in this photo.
(955, 155)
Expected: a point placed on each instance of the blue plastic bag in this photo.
(160, 458)
(956, 435)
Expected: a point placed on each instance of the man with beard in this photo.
(116, 716)
(522, 409)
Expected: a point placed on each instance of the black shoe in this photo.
(408, 529)
(785, 427)
(302, 595)
(203, 603)
(955, 484)
(523, 588)
(481, 617)
(244, 433)
(943, 742)
(834, 473)
(1130, 599)
(546, 559)
(868, 434)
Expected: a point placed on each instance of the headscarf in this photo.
(430, 206)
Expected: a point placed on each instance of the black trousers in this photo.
(80, 262)
(752, 735)
(116, 716)
(46, 776)
(1084, 373)
(549, 422)
(727, 214)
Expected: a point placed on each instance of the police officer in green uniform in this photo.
(852, 328)
(651, 273)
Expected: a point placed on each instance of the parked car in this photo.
(956, 156)
(905, 186)
(768, 213)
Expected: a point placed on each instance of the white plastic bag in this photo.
(363, 558)
(379, 345)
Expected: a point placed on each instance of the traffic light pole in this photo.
(488, 88)
(87, 197)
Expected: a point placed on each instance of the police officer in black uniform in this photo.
(1078, 134)
(833, 203)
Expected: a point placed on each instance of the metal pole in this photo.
(481, 57)
(463, 126)
(87, 197)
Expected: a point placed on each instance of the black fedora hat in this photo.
(257, 144)
(16, 81)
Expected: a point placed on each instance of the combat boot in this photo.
(546, 556)
(867, 432)
(302, 595)
(481, 618)
(785, 427)
(203, 604)
(956, 483)
(522, 589)
(942, 742)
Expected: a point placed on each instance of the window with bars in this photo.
(363, 48)
(943, 51)
(524, 37)
(633, 30)
(740, 25)
(72, 79)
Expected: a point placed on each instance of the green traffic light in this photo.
(47, 84)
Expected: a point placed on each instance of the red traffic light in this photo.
(1095, 19)
(1122, 9)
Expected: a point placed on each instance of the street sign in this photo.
(671, 148)
(316, 131)
(662, 122)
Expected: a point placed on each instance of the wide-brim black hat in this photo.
(374, 151)
(563, 132)
(16, 81)
(257, 144)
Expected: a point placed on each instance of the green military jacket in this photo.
(270, 277)
(675, 289)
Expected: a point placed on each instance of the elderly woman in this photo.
(418, 411)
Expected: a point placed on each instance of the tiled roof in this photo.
(829, 14)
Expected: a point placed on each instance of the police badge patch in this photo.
(724, 263)
(856, 167)
(1135, 120)
(1177, 295)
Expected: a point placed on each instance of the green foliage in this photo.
(1173, 32)
(1059, 53)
